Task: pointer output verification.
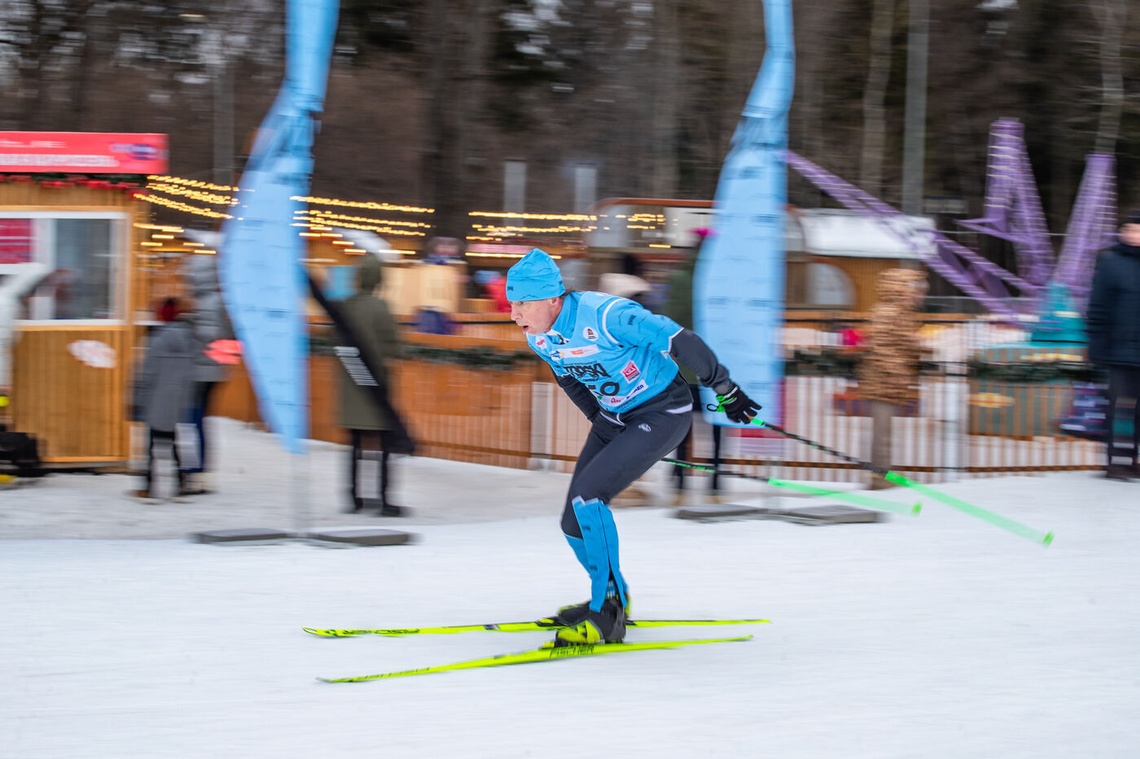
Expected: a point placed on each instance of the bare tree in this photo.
(428, 97)
(44, 40)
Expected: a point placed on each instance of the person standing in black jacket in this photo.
(209, 323)
(1113, 324)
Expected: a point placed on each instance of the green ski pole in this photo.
(880, 504)
(1009, 525)
(1022, 531)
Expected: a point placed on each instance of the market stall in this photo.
(71, 210)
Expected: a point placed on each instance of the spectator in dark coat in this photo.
(162, 391)
(209, 323)
(679, 307)
(1113, 324)
(628, 283)
(372, 323)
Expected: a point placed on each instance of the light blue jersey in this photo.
(613, 346)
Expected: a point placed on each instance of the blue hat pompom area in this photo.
(534, 277)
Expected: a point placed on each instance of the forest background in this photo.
(428, 99)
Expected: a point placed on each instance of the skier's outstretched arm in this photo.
(688, 348)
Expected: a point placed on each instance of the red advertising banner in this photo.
(83, 153)
(15, 241)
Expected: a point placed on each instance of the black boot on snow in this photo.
(605, 626)
(575, 614)
(568, 616)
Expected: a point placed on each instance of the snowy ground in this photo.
(935, 636)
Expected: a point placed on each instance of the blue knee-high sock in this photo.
(578, 546)
(599, 550)
(609, 529)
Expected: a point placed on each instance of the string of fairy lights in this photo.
(406, 226)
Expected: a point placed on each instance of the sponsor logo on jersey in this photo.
(590, 334)
(630, 372)
(586, 372)
(617, 400)
(565, 353)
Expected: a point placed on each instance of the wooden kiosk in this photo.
(70, 364)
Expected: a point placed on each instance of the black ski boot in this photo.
(605, 626)
(575, 614)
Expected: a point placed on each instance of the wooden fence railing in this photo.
(517, 416)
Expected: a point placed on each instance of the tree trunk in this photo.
(1112, 15)
(874, 97)
(882, 417)
(439, 142)
(32, 72)
(666, 105)
(457, 108)
(81, 81)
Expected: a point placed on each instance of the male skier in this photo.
(618, 362)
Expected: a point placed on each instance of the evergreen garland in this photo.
(826, 362)
(838, 362)
(1033, 372)
(468, 358)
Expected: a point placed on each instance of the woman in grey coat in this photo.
(162, 390)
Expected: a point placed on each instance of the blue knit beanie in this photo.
(534, 277)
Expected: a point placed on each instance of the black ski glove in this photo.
(737, 406)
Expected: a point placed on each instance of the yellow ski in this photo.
(514, 627)
(548, 652)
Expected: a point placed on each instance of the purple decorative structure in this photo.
(997, 289)
(1012, 212)
(1013, 207)
(1092, 227)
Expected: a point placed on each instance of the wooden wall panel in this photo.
(32, 196)
(324, 400)
(78, 412)
(863, 273)
(234, 398)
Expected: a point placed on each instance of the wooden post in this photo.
(882, 416)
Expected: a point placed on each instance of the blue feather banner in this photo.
(738, 290)
(261, 270)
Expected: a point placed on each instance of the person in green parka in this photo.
(372, 323)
